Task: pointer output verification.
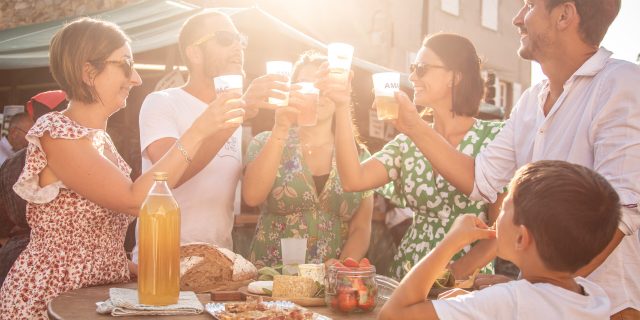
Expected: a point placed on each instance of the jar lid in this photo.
(355, 271)
(160, 176)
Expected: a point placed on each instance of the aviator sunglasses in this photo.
(422, 68)
(223, 38)
(125, 64)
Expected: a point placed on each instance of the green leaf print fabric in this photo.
(293, 208)
(434, 201)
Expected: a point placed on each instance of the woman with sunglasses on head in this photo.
(446, 79)
(291, 173)
(80, 198)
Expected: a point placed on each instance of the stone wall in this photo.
(14, 13)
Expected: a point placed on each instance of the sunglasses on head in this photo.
(223, 38)
(125, 64)
(422, 68)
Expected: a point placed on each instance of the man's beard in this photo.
(534, 45)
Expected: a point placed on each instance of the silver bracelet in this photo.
(183, 151)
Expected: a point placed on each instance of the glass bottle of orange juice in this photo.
(159, 246)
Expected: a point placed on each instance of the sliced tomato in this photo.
(339, 266)
(351, 263)
(347, 301)
(369, 304)
(363, 295)
(357, 284)
(335, 303)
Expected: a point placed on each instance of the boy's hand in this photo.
(466, 229)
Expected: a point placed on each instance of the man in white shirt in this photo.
(19, 125)
(585, 211)
(587, 112)
(211, 46)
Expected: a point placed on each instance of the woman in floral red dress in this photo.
(79, 194)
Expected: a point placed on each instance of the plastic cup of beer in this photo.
(282, 68)
(294, 253)
(308, 115)
(339, 56)
(385, 85)
(229, 83)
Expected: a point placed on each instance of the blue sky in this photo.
(623, 37)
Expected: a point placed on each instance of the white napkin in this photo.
(124, 302)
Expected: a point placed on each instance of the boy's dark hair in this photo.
(595, 17)
(571, 211)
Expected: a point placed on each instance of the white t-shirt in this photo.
(207, 200)
(523, 300)
(595, 123)
(5, 149)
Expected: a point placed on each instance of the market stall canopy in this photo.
(154, 24)
(150, 24)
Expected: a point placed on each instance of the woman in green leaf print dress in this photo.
(291, 173)
(446, 78)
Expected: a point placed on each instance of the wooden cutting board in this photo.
(304, 302)
(234, 295)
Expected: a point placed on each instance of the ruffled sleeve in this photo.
(57, 126)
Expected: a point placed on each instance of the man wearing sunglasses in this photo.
(210, 46)
(587, 112)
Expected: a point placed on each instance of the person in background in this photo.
(556, 218)
(446, 78)
(210, 46)
(12, 207)
(19, 125)
(45, 102)
(586, 112)
(80, 198)
(291, 174)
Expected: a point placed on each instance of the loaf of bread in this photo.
(206, 267)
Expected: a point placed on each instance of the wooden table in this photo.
(80, 304)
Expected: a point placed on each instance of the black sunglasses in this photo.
(223, 38)
(422, 68)
(125, 64)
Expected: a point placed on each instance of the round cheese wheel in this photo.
(257, 286)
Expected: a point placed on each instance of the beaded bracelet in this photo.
(183, 151)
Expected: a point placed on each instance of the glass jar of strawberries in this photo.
(350, 286)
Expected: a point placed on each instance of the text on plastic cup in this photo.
(227, 83)
(339, 56)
